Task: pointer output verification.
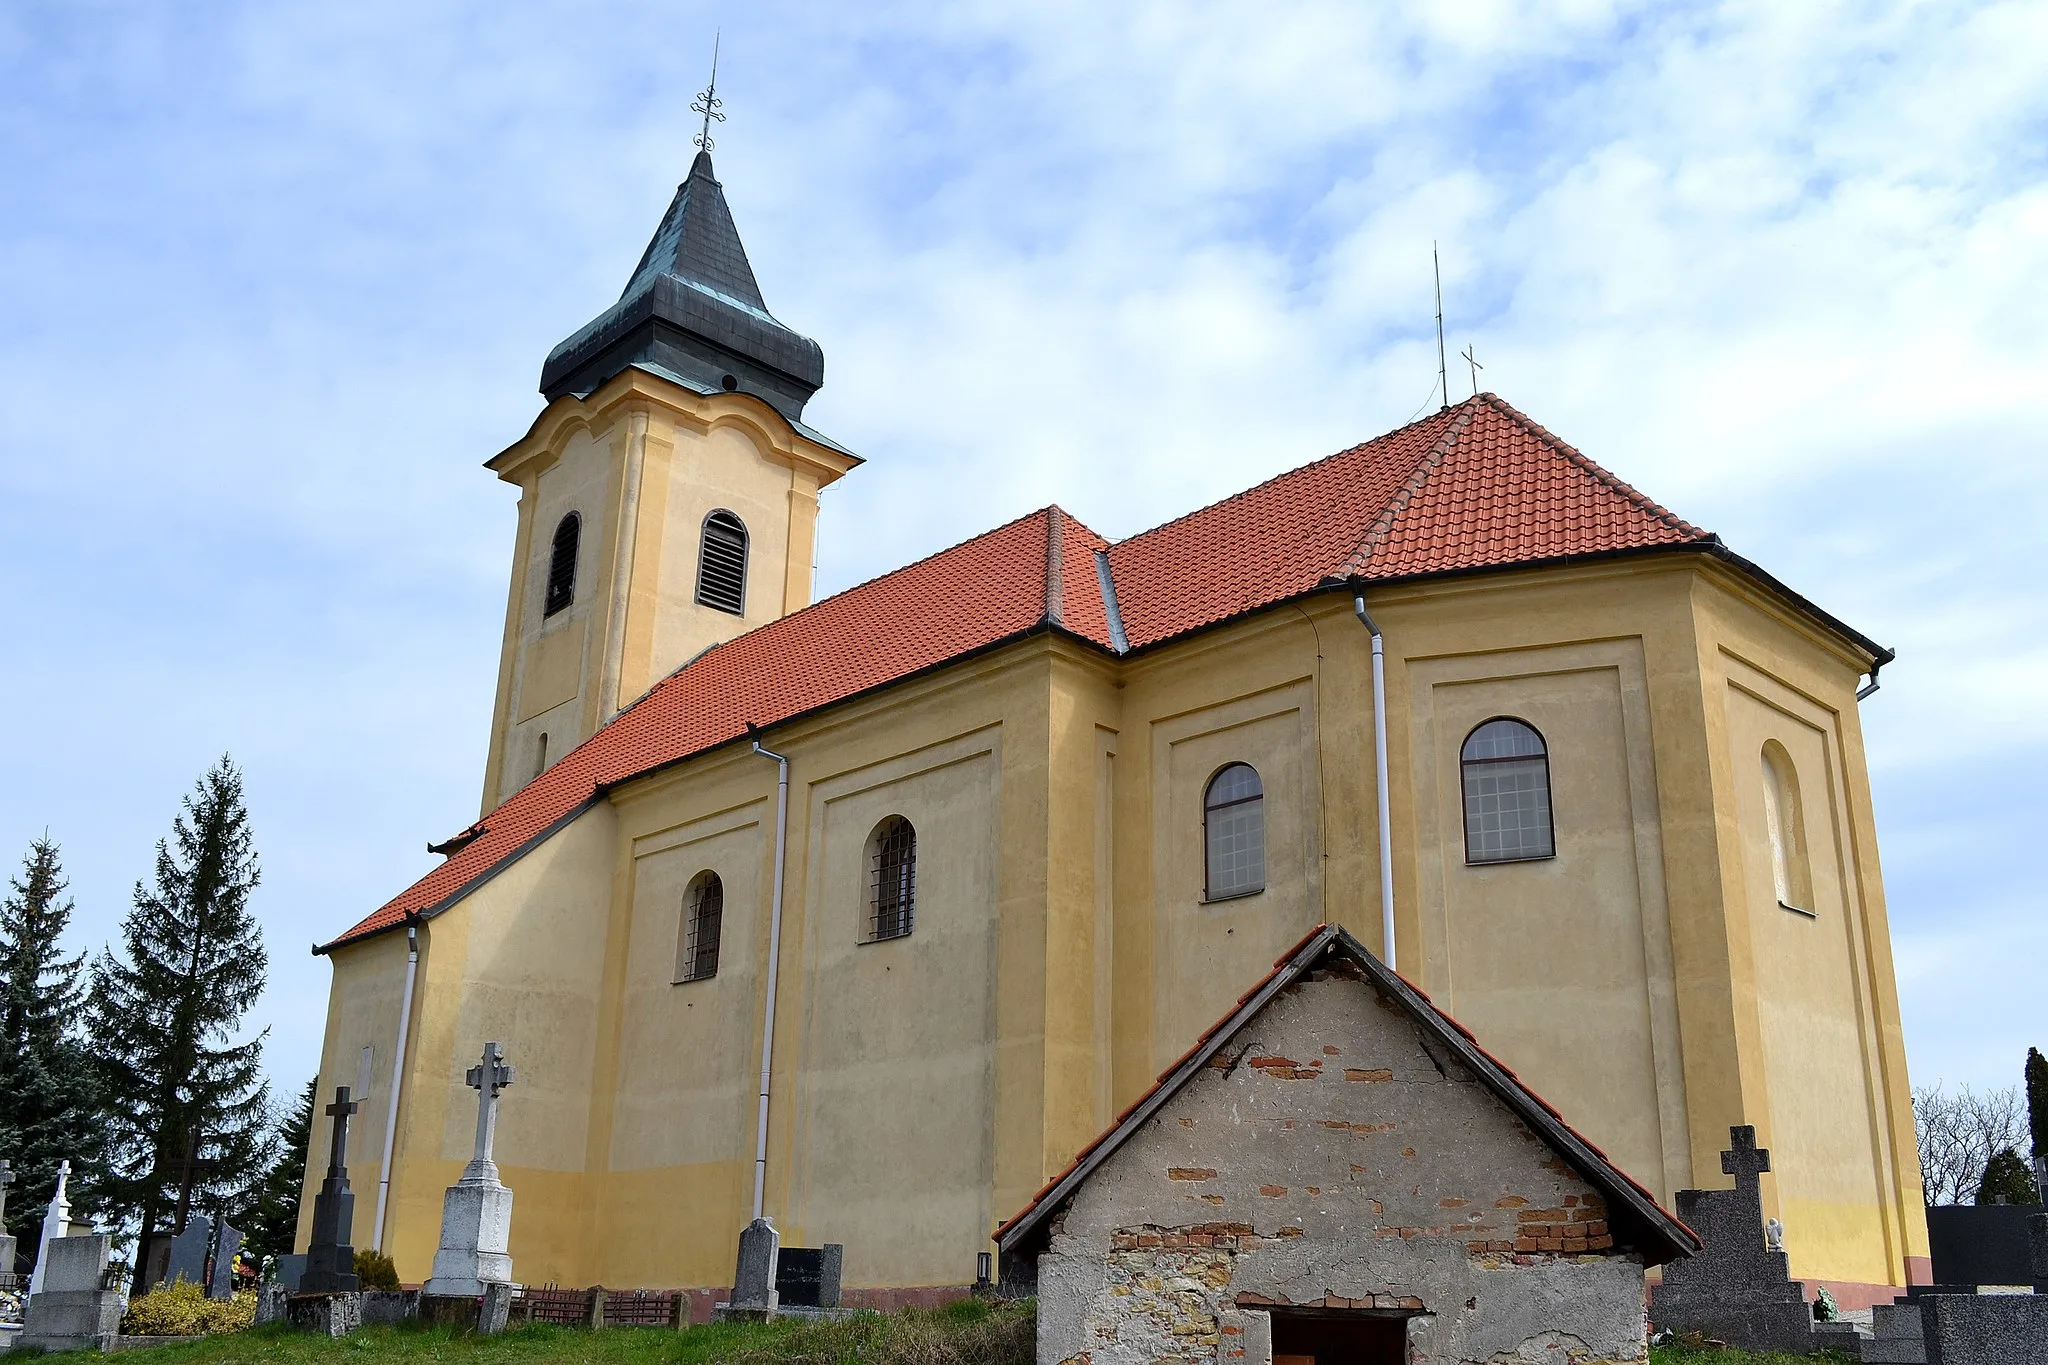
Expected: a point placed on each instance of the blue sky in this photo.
(275, 279)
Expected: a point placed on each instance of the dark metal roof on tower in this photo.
(693, 308)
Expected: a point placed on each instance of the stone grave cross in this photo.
(330, 1259)
(1747, 1162)
(56, 1225)
(337, 1152)
(487, 1079)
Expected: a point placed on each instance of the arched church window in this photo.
(1791, 875)
(562, 564)
(1234, 833)
(703, 917)
(892, 879)
(722, 564)
(1506, 772)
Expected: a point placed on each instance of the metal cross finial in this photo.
(1471, 360)
(487, 1079)
(707, 102)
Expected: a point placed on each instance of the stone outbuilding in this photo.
(1337, 1170)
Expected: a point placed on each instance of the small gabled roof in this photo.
(1638, 1219)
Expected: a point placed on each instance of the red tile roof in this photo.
(1668, 1237)
(1474, 486)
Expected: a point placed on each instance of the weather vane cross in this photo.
(707, 102)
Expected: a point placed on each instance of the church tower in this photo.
(668, 493)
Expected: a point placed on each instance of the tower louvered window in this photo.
(562, 564)
(892, 879)
(704, 916)
(722, 564)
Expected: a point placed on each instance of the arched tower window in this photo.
(1506, 772)
(562, 565)
(892, 879)
(1234, 833)
(703, 917)
(1791, 875)
(722, 564)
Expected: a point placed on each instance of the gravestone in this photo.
(56, 1222)
(227, 1244)
(476, 1212)
(6, 1241)
(1975, 1244)
(1737, 1289)
(291, 1270)
(1986, 1329)
(331, 1259)
(74, 1310)
(753, 1278)
(154, 1257)
(808, 1277)
(189, 1250)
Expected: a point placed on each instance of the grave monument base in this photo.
(334, 1315)
(485, 1313)
(72, 1312)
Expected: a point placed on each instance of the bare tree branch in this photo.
(1959, 1131)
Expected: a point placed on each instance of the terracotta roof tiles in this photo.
(1473, 486)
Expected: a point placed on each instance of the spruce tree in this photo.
(274, 1207)
(47, 1102)
(2007, 1180)
(163, 1014)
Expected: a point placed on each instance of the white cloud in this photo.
(280, 279)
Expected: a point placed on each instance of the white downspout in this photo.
(412, 969)
(1379, 747)
(774, 962)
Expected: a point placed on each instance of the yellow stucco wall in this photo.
(1644, 980)
(642, 462)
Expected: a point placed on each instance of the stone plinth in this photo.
(334, 1315)
(485, 1314)
(1897, 1336)
(7, 1247)
(1986, 1329)
(476, 1233)
(753, 1279)
(72, 1312)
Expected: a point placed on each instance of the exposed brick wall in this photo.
(1326, 1159)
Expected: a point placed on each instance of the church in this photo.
(868, 914)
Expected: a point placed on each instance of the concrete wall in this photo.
(1325, 1158)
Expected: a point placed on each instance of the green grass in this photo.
(970, 1332)
(1682, 1354)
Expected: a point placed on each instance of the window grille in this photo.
(562, 564)
(1506, 772)
(722, 564)
(892, 879)
(704, 916)
(1234, 833)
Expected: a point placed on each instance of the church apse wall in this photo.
(1808, 923)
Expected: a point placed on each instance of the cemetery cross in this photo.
(487, 1080)
(6, 1179)
(340, 1111)
(188, 1168)
(1745, 1160)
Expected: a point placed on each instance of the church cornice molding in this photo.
(637, 390)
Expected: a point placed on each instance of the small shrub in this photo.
(375, 1270)
(183, 1310)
